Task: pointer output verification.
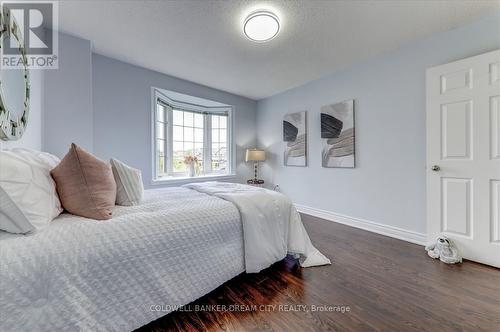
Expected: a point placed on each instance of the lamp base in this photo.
(255, 181)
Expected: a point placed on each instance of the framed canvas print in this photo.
(337, 130)
(295, 137)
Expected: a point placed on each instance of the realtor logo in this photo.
(28, 34)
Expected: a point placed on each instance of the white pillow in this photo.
(129, 187)
(12, 219)
(25, 177)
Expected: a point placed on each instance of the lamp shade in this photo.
(255, 155)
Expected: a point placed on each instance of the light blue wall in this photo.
(388, 184)
(122, 113)
(68, 98)
(104, 105)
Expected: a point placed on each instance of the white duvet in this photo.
(80, 274)
(272, 227)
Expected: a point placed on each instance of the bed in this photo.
(176, 246)
(81, 274)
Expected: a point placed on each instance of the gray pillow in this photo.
(129, 187)
(12, 220)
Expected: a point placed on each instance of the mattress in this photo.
(84, 274)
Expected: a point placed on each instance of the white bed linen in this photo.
(80, 274)
(25, 177)
(272, 227)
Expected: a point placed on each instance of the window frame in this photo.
(185, 105)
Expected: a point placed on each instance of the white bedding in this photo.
(272, 227)
(85, 275)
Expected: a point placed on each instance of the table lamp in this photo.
(255, 155)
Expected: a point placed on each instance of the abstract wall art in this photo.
(295, 137)
(337, 130)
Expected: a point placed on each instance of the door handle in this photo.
(436, 168)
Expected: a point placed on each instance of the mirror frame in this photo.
(12, 126)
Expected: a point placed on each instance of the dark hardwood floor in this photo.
(388, 285)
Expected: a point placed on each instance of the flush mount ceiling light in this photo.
(261, 26)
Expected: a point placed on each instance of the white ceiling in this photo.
(202, 41)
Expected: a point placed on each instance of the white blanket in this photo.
(272, 227)
(80, 274)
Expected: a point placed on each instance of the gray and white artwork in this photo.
(337, 130)
(295, 137)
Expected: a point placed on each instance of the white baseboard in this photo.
(395, 232)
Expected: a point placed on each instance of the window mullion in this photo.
(165, 147)
(229, 144)
(207, 144)
(169, 140)
(156, 149)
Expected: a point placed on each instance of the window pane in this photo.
(184, 137)
(188, 148)
(215, 151)
(177, 133)
(177, 117)
(215, 135)
(178, 147)
(198, 149)
(222, 164)
(198, 120)
(160, 130)
(198, 135)
(188, 134)
(160, 156)
(178, 163)
(160, 113)
(198, 153)
(160, 166)
(223, 151)
(215, 121)
(223, 122)
(188, 119)
(222, 135)
(160, 146)
(178, 154)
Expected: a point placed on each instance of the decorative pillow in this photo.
(25, 179)
(129, 187)
(85, 184)
(12, 219)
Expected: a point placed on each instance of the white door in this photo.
(463, 155)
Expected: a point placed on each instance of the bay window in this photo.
(199, 131)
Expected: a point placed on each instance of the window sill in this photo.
(184, 180)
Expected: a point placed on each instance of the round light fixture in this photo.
(261, 26)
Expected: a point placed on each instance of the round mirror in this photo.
(14, 81)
